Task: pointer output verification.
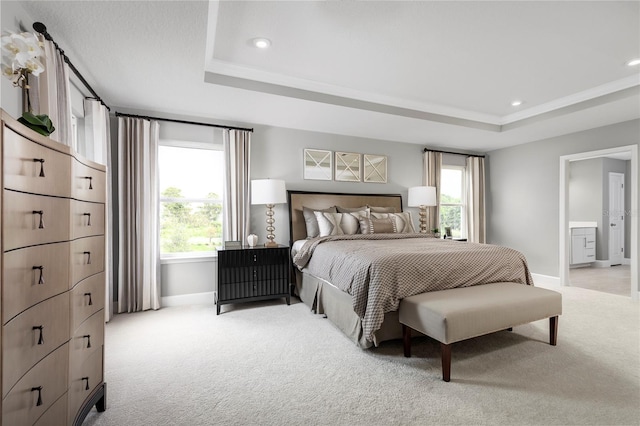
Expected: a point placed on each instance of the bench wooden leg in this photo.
(553, 330)
(406, 340)
(446, 361)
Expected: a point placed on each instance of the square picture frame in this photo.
(347, 167)
(317, 164)
(375, 168)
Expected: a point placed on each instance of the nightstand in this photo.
(248, 274)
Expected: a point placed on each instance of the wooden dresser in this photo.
(52, 282)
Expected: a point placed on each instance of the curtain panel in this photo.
(432, 171)
(475, 200)
(98, 134)
(50, 94)
(138, 196)
(237, 196)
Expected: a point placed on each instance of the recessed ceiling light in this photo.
(633, 62)
(516, 103)
(261, 43)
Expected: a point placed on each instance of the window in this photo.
(452, 197)
(191, 184)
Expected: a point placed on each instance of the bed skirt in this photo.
(325, 299)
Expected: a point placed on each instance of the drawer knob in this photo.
(39, 389)
(86, 379)
(90, 181)
(88, 337)
(41, 268)
(88, 254)
(89, 218)
(41, 213)
(41, 161)
(41, 337)
(90, 302)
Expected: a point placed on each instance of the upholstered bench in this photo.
(457, 314)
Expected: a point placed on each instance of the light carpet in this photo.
(273, 364)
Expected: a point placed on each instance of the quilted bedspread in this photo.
(378, 270)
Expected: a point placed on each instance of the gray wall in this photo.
(585, 196)
(277, 153)
(523, 190)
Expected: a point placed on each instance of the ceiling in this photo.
(439, 74)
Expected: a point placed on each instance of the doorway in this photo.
(631, 152)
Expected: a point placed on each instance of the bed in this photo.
(357, 281)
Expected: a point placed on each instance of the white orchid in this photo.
(20, 52)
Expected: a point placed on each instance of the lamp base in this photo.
(271, 244)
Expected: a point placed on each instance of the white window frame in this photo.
(187, 257)
(463, 196)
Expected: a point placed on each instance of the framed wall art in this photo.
(375, 168)
(318, 164)
(347, 167)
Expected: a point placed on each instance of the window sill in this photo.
(189, 258)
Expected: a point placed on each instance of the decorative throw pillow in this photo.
(382, 209)
(403, 221)
(311, 222)
(351, 221)
(377, 226)
(329, 223)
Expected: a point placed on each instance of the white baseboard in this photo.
(545, 279)
(188, 299)
(626, 261)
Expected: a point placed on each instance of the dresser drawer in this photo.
(83, 379)
(21, 226)
(56, 415)
(50, 375)
(21, 343)
(22, 167)
(87, 219)
(87, 298)
(33, 274)
(87, 183)
(87, 258)
(88, 338)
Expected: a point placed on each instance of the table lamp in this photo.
(269, 192)
(422, 197)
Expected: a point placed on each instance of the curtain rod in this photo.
(456, 153)
(220, 126)
(42, 29)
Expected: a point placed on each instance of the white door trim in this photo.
(564, 212)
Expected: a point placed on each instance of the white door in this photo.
(616, 218)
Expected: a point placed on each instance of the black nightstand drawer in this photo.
(249, 274)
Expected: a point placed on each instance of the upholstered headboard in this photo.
(323, 200)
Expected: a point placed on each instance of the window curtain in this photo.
(236, 200)
(50, 93)
(476, 224)
(98, 134)
(138, 197)
(432, 171)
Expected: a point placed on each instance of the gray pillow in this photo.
(351, 209)
(377, 226)
(311, 222)
(382, 209)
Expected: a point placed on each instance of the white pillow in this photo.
(403, 221)
(329, 223)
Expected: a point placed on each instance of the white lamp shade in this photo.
(422, 196)
(268, 191)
